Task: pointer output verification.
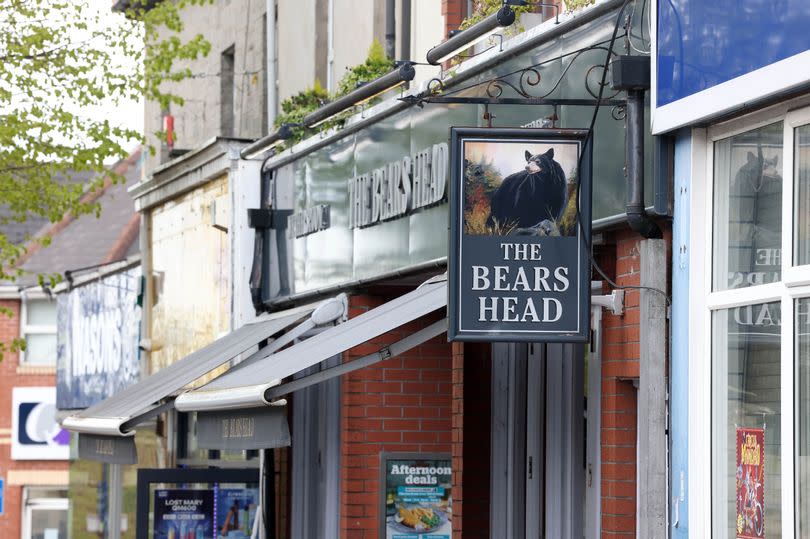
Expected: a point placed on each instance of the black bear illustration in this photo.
(531, 196)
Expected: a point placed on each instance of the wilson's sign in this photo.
(520, 218)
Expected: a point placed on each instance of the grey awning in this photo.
(257, 384)
(118, 414)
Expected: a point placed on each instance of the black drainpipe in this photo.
(637, 216)
(390, 29)
(632, 74)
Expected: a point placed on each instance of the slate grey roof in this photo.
(19, 232)
(89, 241)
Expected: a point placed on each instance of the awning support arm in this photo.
(400, 347)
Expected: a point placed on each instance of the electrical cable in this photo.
(589, 140)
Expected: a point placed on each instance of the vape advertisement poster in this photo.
(184, 514)
(417, 501)
(750, 483)
(236, 512)
(520, 214)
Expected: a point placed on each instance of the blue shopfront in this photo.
(732, 84)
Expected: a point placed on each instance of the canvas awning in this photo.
(120, 413)
(258, 384)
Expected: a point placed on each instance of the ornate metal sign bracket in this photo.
(527, 86)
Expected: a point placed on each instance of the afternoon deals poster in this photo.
(184, 514)
(750, 483)
(418, 502)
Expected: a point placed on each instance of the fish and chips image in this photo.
(419, 518)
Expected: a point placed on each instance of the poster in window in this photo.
(184, 514)
(750, 483)
(236, 512)
(417, 498)
(520, 215)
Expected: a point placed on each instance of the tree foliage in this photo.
(59, 59)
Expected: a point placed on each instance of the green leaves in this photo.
(58, 59)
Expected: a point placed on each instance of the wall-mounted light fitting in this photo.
(400, 75)
(254, 150)
(524, 3)
(472, 35)
(403, 73)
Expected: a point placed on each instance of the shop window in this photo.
(802, 318)
(747, 420)
(45, 513)
(755, 325)
(801, 206)
(747, 208)
(39, 331)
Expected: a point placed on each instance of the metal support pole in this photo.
(267, 493)
(115, 492)
(652, 395)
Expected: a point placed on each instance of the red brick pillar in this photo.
(454, 11)
(620, 353)
(458, 437)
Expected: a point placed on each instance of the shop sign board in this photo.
(417, 502)
(750, 483)
(36, 435)
(97, 341)
(249, 428)
(520, 214)
(110, 449)
(183, 513)
(703, 66)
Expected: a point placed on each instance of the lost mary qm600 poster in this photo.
(520, 221)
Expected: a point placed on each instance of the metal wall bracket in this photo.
(261, 218)
(613, 301)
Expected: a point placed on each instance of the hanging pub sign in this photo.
(520, 221)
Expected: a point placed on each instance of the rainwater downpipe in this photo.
(390, 28)
(330, 45)
(272, 89)
(637, 216)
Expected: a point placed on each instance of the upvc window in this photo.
(38, 328)
(754, 324)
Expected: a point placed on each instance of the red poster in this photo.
(750, 483)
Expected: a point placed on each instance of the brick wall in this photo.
(471, 422)
(620, 369)
(454, 11)
(401, 404)
(10, 521)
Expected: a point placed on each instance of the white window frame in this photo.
(48, 504)
(33, 329)
(795, 284)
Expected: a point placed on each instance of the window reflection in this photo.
(802, 343)
(801, 205)
(747, 218)
(746, 421)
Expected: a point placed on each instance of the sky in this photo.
(509, 157)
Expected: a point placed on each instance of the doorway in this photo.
(539, 471)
